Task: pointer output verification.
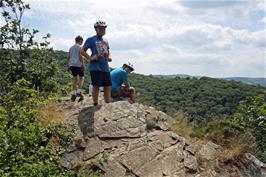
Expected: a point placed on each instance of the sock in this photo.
(74, 92)
(78, 91)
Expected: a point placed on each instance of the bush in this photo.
(251, 116)
(150, 123)
(25, 148)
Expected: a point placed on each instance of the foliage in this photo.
(24, 142)
(13, 36)
(150, 124)
(227, 112)
(225, 132)
(29, 76)
(203, 99)
(61, 134)
(21, 56)
(251, 116)
(243, 132)
(65, 77)
(181, 125)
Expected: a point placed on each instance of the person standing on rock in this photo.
(120, 83)
(75, 64)
(98, 67)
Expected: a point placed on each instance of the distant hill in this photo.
(173, 76)
(248, 80)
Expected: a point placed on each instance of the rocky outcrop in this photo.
(245, 165)
(123, 139)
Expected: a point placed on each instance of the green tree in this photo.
(20, 55)
(25, 148)
(28, 73)
(252, 116)
(204, 98)
(14, 37)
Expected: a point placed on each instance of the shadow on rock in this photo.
(86, 119)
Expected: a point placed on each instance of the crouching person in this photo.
(120, 83)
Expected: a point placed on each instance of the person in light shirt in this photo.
(75, 64)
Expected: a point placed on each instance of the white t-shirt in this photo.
(74, 54)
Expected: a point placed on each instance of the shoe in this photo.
(73, 98)
(81, 97)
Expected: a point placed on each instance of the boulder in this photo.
(118, 144)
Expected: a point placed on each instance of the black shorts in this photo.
(99, 78)
(77, 71)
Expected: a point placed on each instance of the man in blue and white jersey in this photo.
(99, 58)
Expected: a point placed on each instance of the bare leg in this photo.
(132, 94)
(95, 94)
(75, 83)
(80, 83)
(107, 94)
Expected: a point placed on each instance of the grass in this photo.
(180, 125)
(233, 140)
(231, 153)
(150, 123)
(50, 113)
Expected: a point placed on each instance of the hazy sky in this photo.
(210, 38)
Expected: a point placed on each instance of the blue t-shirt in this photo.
(98, 46)
(118, 77)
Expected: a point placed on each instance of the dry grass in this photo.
(180, 124)
(50, 113)
(231, 147)
(236, 150)
(230, 153)
(224, 155)
(238, 145)
(55, 141)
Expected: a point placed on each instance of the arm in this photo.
(109, 59)
(88, 57)
(126, 85)
(82, 61)
(125, 80)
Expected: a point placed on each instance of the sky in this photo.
(223, 38)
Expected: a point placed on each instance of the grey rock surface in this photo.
(117, 141)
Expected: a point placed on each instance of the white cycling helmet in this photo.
(129, 65)
(100, 23)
